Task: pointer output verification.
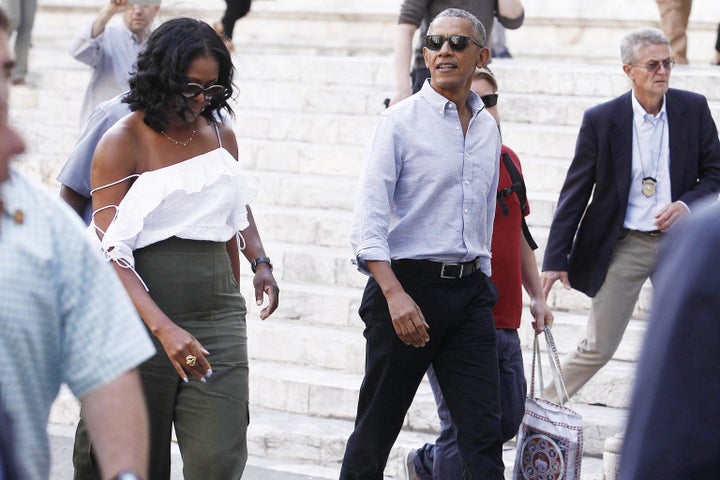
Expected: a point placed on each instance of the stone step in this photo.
(342, 349)
(557, 96)
(329, 394)
(570, 30)
(313, 446)
(330, 266)
(587, 29)
(322, 442)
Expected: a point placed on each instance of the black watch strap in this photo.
(259, 260)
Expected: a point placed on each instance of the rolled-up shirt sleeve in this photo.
(511, 23)
(85, 48)
(373, 211)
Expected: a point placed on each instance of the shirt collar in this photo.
(441, 104)
(639, 112)
(130, 34)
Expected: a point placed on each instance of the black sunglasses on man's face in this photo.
(456, 42)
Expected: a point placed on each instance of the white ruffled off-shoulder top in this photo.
(201, 198)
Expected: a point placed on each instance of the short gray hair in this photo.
(634, 41)
(478, 29)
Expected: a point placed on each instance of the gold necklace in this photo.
(178, 142)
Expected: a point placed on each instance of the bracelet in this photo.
(254, 263)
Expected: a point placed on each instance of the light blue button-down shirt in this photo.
(428, 191)
(651, 158)
(112, 56)
(64, 316)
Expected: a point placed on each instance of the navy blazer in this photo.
(583, 235)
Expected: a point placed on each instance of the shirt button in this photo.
(465, 211)
(457, 128)
(467, 182)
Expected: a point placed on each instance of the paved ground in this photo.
(61, 443)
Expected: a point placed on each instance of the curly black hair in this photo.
(161, 69)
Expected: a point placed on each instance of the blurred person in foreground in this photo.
(64, 318)
(111, 49)
(422, 228)
(513, 266)
(641, 161)
(171, 212)
(677, 385)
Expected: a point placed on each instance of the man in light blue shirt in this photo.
(64, 318)
(112, 49)
(74, 177)
(422, 229)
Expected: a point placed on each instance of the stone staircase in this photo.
(311, 76)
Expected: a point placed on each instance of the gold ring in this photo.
(190, 360)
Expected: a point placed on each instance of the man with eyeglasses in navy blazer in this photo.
(641, 161)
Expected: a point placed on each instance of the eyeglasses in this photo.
(654, 66)
(193, 90)
(489, 100)
(457, 42)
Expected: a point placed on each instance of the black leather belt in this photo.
(651, 233)
(449, 270)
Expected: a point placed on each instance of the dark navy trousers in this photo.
(462, 352)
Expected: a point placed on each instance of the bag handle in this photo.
(554, 360)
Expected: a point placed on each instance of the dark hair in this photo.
(162, 66)
(4, 21)
(478, 29)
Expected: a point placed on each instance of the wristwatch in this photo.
(127, 475)
(258, 260)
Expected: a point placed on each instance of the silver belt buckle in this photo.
(460, 274)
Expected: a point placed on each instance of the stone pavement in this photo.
(61, 446)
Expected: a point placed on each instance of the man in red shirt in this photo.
(513, 267)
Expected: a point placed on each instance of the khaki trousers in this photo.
(674, 16)
(632, 263)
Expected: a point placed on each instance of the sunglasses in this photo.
(192, 90)
(489, 100)
(654, 66)
(457, 43)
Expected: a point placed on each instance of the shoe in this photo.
(20, 81)
(409, 466)
(217, 26)
(502, 54)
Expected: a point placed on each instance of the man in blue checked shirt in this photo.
(422, 229)
(64, 318)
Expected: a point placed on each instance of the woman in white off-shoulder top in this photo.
(171, 211)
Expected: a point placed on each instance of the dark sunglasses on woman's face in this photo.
(456, 42)
(489, 100)
(192, 90)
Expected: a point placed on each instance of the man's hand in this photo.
(265, 284)
(408, 320)
(542, 315)
(549, 277)
(117, 6)
(669, 214)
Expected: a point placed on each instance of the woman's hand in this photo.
(186, 353)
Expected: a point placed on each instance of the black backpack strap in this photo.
(517, 186)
